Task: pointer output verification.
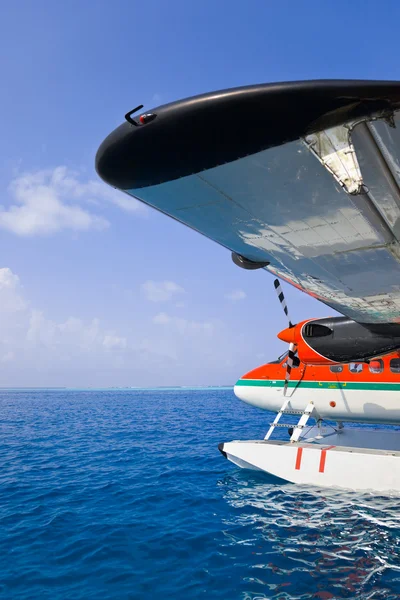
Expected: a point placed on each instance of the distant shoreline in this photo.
(160, 388)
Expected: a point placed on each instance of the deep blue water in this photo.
(124, 495)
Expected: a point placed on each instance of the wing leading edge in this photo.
(303, 178)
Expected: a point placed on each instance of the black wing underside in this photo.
(301, 177)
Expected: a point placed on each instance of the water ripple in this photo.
(120, 494)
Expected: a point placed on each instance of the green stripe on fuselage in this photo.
(322, 385)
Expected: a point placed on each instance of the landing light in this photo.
(147, 118)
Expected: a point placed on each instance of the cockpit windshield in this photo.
(279, 359)
(282, 357)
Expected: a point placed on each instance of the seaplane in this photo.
(301, 179)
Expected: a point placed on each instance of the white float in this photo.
(351, 458)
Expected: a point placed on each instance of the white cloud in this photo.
(161, 319)
(10, 292)
(160, 291)
(36, 350)
(165, 350)
(236, 295)
(8, 279)
(47, 201)
(41, 331)
(95, 190)
(74, 334)
(43, 205)
(184, 326)
(114, 342)
(7, 357)
(127, 203)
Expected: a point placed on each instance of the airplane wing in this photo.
(302, 179)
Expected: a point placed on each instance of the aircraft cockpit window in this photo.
(279, 359)
(315, 330)
(336, 368)
(282, 357)
(395, 365)
(376, 366)
(355, 367)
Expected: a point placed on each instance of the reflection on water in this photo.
(312, 543)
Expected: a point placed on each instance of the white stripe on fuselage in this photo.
(369, 406)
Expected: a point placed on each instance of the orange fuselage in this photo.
(384, 369)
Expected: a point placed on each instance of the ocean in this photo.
(122, 494)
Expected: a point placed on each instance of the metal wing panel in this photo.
(374, 155)
(282, 206)
(388, 140)
(304, 176)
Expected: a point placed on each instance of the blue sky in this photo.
(96, 290)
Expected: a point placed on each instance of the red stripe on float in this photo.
(323, 458)
(298, 458)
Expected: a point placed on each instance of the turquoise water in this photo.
(123, 494)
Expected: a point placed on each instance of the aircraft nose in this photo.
(287, 335)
